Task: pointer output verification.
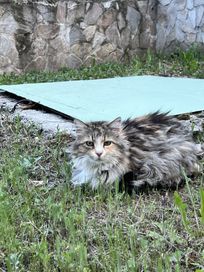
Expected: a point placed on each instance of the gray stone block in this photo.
(133, 18)
(93, 14)
(192, 18)
(73, 61)
(121, 21)
(107, 18)
(199, 15)
(113, 35)
(89, 32)
(190, 4)
(198, 2)
(165, 2)
(76, 35)
(99, 38)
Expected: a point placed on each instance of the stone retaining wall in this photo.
(47, 36)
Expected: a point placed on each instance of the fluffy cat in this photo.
(154, 148)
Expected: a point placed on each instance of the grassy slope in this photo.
(46, 228)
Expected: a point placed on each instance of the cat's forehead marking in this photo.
(98, 133)
(98, 130)
(95, 130)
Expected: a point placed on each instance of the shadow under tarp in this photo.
(106, 99)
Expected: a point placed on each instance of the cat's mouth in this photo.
(97, 159)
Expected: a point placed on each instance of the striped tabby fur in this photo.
(155, 148)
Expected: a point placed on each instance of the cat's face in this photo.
(100, 141)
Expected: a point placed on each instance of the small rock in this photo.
(88, 5)
(61, 12)
(125, 38)
(71, 5)
(133, 18)
(172, 14)
(180, 4)
(121, 21)
(200, 37)
(105, 50)
(81, 50)
(47, 31)
(93, 14)
(180, 35)
(74, 14)
(134, 41)
(198, 2)
(39, 46)
(182, 15)
(7, 45)
(165, 2)
(115, 56)
(37, 63)
(46, 12)
(113, 34)
(99, 38)
(190, 38)
(8, 25)
(107, 4)
(89, 32)
(83, 25)
(4, 61)
(73, 61)
(76, 35)
(199, 15)
(189, 4)
(161, 38)
(192, 17)
(143, 7)
(144, 40)
(107, 18)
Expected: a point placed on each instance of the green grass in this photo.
(190, 64)
(55, 227)
(47, 225)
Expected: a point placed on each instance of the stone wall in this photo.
(179, 23)
(47, 36)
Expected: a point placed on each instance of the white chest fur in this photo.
(95, 173)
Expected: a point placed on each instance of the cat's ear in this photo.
(79, 125)
(116, 124)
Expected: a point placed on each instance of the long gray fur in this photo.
(155, 147)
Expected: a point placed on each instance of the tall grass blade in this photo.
(182, 207)
(202, 205)
(191, 198)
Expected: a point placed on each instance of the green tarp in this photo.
(106, 99)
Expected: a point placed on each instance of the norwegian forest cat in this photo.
(151, 150)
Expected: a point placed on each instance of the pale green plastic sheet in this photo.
(106, 99)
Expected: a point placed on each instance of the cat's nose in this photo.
(99, 154)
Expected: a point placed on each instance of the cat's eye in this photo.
(107, 143)
(89, 143)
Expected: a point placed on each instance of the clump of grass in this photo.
(182, 63)
(55, 227)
